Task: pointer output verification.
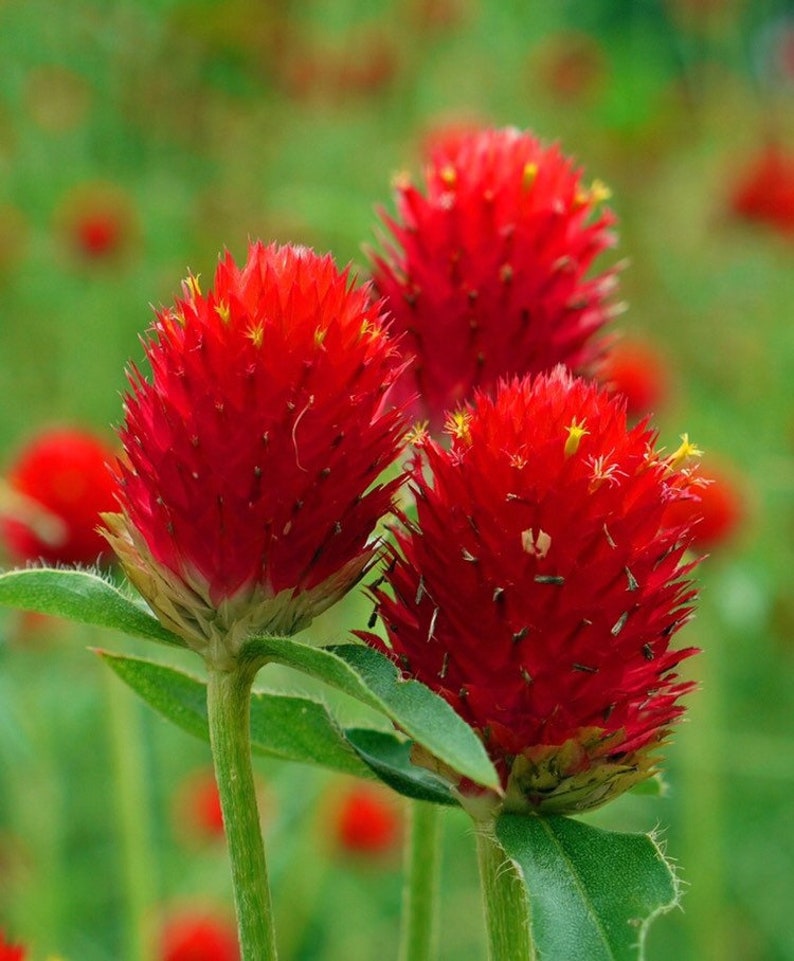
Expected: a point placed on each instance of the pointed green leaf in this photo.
(592, 893)
(373, 679)
(390, 759)
(282, 726)
(81, 596)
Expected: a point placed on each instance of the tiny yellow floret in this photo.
(685, 452)
(599, 192)
(576, 432)
(418, 434)
(457, 425)
(191, 285)
(222, 310)
(530, 173)
(449, 176)
(256, 334)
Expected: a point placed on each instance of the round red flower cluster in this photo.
(486, 273)
(540, 585)
(542, 581)
(249, 484)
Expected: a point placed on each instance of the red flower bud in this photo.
(486, 271)
(248, 484)
(540, 585)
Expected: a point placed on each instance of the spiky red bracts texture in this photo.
(249, 482)
(538, 588)
(487, 269)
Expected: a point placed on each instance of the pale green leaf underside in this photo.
(592, 892)
(81, 596)
(284, 726)
(370, 677)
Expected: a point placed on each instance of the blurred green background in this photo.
(139, 139)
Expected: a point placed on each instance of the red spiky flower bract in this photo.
(486, 271)
(538, 588)
(249, 482)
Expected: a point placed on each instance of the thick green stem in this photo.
(504, 900)
(132, 807)
(229, 714)
(420, 894)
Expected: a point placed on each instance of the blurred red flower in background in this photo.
(248, 480)
(198, 937)
(367, 820)
(97, 220)
(197, 807)
(764, 189)
(636, 370)
(540, 586)
(486, 271)
(55, 490)
(11, 952)
(717, 509)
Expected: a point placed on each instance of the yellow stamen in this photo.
(685, 452)
(319, 336)
(448, 175)
(458, 425)
(192, 286)
(529, 175)
(256, 334)
(418, 434)
(576, 432)
(599, 192)
(222, 310)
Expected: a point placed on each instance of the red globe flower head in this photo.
(248, 485)
(764, 190)
(54, 493)
(11, 952)
(636, 370)
(487, 271)
(367, 821)
(539, 588)
(198, 937)
(716, 509)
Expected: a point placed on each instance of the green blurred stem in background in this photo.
(504, 900)
(229, 715)
(421, 890)
(132, 813)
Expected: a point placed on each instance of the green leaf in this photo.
(592, 893)
(370, 677)
(81, 596)
(283, 726)
(389, 757)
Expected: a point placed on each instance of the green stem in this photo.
(132, 805)
(504, 901)
(420, 893)
(229, 715)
